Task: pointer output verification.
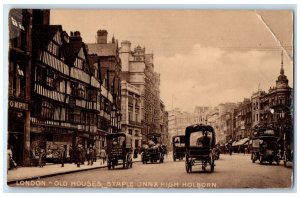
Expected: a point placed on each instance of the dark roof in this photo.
(93, 58)
(178, 136)
(198, 127)
(113, 135)
(72, 50)
(104, 50)
(43, 34)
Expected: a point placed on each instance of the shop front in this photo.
(50, 139)
(17, 124)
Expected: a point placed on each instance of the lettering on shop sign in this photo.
(116, 151)
(18, 105)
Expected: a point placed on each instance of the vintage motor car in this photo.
(178, 147)
(119, 148)
(199, 141)
(153, 151)
(265, 146)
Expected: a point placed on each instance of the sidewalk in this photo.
(29, 173)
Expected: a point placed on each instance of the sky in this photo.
(204, 57)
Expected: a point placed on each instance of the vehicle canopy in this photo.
(263, 134)
(178, 140)
(199, 131)
(155, 137)
(119, 140)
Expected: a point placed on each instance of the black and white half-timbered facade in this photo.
(58, 93)
(50, 125)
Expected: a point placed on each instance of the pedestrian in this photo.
(88, 155)
(94, 154)
(135, 153)
(62, 155)
(41, 157)
(71, 154)
(102, 156)
(10, 161)
(83, 154)
(78, 152)
(91, 155)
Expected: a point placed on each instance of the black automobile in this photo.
(178, 147)
(265, 147)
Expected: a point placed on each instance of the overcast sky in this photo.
(204, 57)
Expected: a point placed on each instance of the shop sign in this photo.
(85, 135)
(18, 105)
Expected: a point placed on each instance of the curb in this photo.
(59, 173)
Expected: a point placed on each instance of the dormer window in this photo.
(78, 63)
(54, 49)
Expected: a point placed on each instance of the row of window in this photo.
(279, 101)
(46, 110)
(55, 49)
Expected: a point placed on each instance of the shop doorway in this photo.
(16, 121)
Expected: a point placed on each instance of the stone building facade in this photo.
(138, 70)
(131, 113)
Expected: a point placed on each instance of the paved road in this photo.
(236, 171)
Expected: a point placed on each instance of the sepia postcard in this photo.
(159, 98)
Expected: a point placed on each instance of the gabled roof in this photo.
(72, 49)
(93, 58)
(104, 50)
(43, 34)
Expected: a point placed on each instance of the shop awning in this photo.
(241, 142)
(234, 143)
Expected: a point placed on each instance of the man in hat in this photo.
(62, 155)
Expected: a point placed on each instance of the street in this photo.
(236, 171)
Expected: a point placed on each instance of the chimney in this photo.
(101, 37)
(125, 46)
(75, 37)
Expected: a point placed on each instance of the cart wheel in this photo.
(260, 160)
(161, 160)
(187, 167)
(270, 162)
(212, 165)
(252, 158)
